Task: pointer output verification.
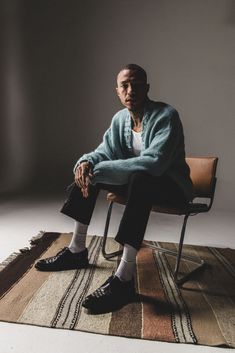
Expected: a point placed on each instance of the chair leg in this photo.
(179, 256)
(104, 253)
(177, 263)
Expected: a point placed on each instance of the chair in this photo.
(202, 173)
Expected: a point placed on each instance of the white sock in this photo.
(78, 241)
(126, 268)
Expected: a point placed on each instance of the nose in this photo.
(130, 89)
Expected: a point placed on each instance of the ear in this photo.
(148, 87)
(117, 91)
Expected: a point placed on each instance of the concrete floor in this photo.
(24, 217)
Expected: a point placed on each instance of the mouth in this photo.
(131, 100)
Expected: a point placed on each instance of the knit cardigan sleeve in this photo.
(104, 152)
(155, 159)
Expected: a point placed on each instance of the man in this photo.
(142, 156)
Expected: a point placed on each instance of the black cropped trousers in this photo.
(141, 191)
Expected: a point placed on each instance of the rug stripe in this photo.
(127, 321)
(227, 265)
(14, 272)
(197, 304)
(104, 269)
(24, 290)
(203, 295)
(67, 291)
(181, 322)
(67, 311)
(93, 250)
(228, 253)
(42, 306)
(156, 312)
(219, 292)
(91, 275)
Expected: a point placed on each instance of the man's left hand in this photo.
(85, 189)
(83, 175)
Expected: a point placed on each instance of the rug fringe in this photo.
(8, 260)
(12, 257)
(37, 238)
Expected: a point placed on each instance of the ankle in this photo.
(75, 250)
(125, 271)
(124, 278)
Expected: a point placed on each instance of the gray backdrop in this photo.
(58, 66)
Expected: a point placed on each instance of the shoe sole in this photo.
(104, 305)
(61, 269)
(109, 307)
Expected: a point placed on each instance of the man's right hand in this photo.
(83, 175)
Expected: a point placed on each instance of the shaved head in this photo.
(138, 70)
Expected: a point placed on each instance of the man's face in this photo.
(132, 89)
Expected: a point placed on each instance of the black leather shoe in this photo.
(64, 260)
(112, 295)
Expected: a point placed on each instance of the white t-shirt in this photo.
(137, 142)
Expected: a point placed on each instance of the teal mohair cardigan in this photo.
(163, 149)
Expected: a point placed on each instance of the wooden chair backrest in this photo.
(202, 173)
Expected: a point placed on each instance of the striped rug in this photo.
(201, 312)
